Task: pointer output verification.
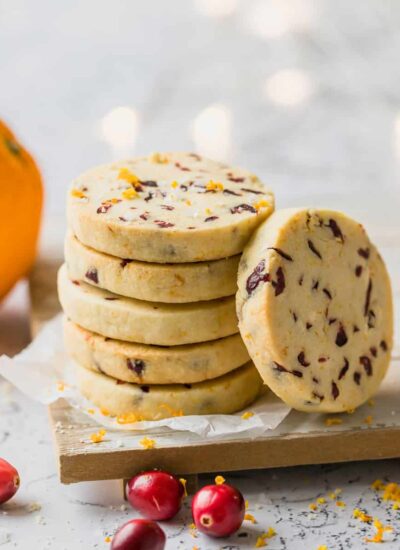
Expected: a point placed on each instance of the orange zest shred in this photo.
(250, 517)
(333, 421)
(219, 480)
(174, 184)
(380, 531)
(128, 418)
(104, 411)
(262, 539)
(147, 443)
(214, 186)
(368, 420)
(158, 158)
(98, 437)
(321, 500)
(378, 485)
(113, 200)
(127, 175)
(107, 539)
(78, 194)
(323, 547)
(313, 506)
(171, 410)
(130, 194)
(340, 503)
(261, 204)
(390, 491)
(60, 386)
(246, 415)
(193, 530)
(362, 516)
(183, 481)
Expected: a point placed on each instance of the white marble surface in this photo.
(65, 65)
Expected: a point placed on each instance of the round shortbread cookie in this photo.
(145, 322)
(224, 395)
(315, 309)
(168, 283)
(143, 364)
(171, 208)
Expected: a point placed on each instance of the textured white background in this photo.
(325, 133)
(66, 64)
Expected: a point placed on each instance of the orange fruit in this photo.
(21, 200)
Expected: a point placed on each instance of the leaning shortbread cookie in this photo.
(145, 322)
(169, 208)
(224, 395)
(315, 309)
(143, 364)
(169, 283)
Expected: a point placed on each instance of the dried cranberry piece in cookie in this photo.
(257, 277)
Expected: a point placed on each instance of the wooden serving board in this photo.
(372, 432)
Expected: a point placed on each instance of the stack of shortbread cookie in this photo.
(149, 281)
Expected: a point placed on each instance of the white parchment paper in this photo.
(44, 372)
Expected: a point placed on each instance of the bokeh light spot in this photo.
(289, 87)
(119, 128)
(212, 132)
(216, 8)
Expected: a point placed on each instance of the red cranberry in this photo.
(157, 495)
(9, 481)
(218, 510)
(139, 534)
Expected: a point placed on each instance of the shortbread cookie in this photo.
(145, 322)
(224, 395)
(169, 283)
(171, 208)
(143, 364)
(315, 309)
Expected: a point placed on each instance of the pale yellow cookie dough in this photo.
(224, 395)
(315, 309)
(169, 283)
(171, 208)
(144, 364)
(145, 322)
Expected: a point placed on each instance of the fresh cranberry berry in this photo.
(218, 510)
(139, 534)
(157, 495)
(9, 481)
